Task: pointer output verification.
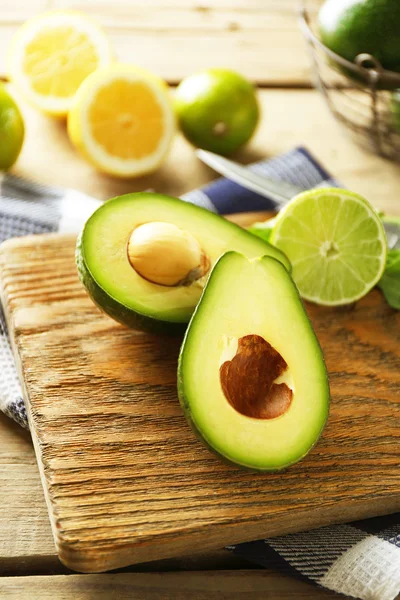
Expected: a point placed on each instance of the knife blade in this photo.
(278, 191)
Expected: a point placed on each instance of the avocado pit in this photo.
(164, 254)
(249, 380)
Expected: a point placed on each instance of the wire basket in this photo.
(362, 96)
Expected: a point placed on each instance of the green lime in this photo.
(352, 27)
(263, 229)
(336, 243)
(217, 110)
(11, 130)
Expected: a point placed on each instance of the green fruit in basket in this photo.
(263, 398)
(11, 129)
(217, 110)
(144, 258)
(352, 27)
(336, 243)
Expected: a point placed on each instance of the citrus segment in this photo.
(336, 243)
(138, 126)
(122, 120)
(52, 54)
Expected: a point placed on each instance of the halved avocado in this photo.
(251, 376)
(145, 258)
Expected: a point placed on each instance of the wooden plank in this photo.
(27, 546)
(19, 10)
(126, 478)
(260, 39)
(181, 15)
(212, 585)
(24, 524)
(26, 541)
(290, 118)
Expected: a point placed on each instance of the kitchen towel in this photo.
(360, 559)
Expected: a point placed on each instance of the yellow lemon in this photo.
(122, 120)
(52, 54)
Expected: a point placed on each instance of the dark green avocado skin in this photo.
(363, 26)
(127, 315)
(114, 309)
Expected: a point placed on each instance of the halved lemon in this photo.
(52, 54)
(122, 120)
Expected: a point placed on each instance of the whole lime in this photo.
(11, 129)
(352, 27)
(217, 110)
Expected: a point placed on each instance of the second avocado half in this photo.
(145, 258)
(251, 377)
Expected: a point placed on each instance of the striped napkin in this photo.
(361, 559)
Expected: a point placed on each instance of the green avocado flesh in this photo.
(120, 291)
(253, 300)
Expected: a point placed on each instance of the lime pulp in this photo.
(336, 243)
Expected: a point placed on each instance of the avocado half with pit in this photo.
(144, 258)
(251, 377)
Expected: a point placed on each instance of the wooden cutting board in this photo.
(125, 478)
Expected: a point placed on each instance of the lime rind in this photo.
(336, 243)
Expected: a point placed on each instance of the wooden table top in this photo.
(260, 38)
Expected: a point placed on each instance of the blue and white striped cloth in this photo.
(360, 559)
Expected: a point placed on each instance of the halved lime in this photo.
(336, 243)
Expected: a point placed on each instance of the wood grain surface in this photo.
(125, 478)
(208, 585)
(26, 541)
(174, 38)
(290, 118)
(25, 534)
